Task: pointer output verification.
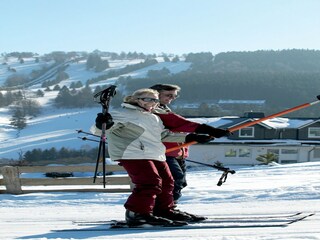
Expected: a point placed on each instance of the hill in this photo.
(282, 79)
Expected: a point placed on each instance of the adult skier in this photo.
(177, 123)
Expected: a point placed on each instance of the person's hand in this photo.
(200, 138)
(214, 132)
(104, 118)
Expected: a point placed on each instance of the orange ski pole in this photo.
(247, 124)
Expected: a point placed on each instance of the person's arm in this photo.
(177, 123)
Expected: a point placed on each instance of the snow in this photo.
(57, 127)
(54, 128)
(278, 189)
(287, 123)
(26, 68)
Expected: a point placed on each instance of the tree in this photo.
(33, 156)
(15, 80)
(101, 65)
(92, 61)
(95, 62)
(64, 97)
(164, 72)
(76, 84)
(2, 100)
(166, 59)
(40, 93)
(18, 119)
(61, 76)
(267, 158)
(29, 107)
(84, 97)
(175, 59)
(56, 88)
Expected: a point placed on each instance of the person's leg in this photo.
(183, 166)
(178, 170)
(150, 184)
(178, 175)
(164, 200)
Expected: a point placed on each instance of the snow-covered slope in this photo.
(57, 127)
(249, 192)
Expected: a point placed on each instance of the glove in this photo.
(214, 132)
(104, 118)
(198, 138)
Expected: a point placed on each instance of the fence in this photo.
(15, 179)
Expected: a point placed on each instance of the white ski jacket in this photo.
(138, 134)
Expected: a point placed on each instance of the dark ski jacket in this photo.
(175, 123)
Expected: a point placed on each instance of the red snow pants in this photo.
(153, 186)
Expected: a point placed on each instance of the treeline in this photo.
(38, 155)
(67, 98)
(294, 60)
(282, 78)
(290, 88)
(9, 97)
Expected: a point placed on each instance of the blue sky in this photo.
(156, 26)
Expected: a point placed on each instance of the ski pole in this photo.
(247, 124)
(88, 139)
(104, 97)
(88, 133)
(224, 175)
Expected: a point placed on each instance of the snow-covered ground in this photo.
(281, 189)
(57, 127)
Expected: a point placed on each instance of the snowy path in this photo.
(251, 191)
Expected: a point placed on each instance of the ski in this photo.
(212, 220)
(281, 217)
(122, 226)
(155, 228)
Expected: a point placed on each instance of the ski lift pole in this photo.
(247, 124)
(224, 175)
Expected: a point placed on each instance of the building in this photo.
(291, 140)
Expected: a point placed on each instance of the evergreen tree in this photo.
(2, 100)
(84, 98)
(166, 59)
(175, 59)
(64, 98)
(29, 107)
(34, 155)
(56, 88)
(101, 65)
(267, 158)
(92, 61)
(18, 119)
(40, 93)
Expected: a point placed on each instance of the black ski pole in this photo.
(224, 175)
(104, 98)
(88, 133)
(88, 139)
